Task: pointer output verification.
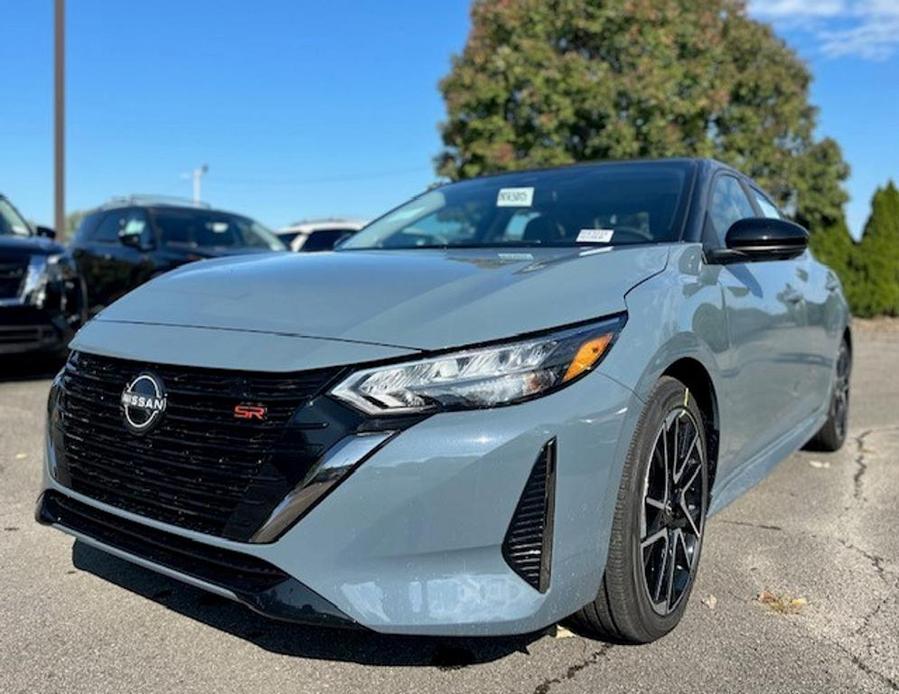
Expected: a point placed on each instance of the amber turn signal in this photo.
(587, 355)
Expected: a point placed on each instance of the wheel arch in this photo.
(694, 375)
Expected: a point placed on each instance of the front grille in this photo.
(240, 573)
(26, 335)
(12, 274)
(527, 547)
(200, 468)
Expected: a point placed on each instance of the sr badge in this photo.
(143, 402)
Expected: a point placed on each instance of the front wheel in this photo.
(658, 525)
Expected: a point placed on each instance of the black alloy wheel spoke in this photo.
(673, 510)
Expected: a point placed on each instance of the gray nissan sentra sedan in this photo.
(509, 401)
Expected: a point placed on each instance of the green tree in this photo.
(547, 82)
(877, 257)
(73, 219)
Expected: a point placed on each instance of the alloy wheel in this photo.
(840, 404)
(673, 511)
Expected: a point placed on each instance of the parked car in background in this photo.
(318, 234)
(128, 241)
(42, 301)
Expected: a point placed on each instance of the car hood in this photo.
(412, 299)
(31, 245)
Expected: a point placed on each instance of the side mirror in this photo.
(131, 240)
(46, 232)
(760, 238)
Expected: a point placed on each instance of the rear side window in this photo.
(769, 209)
(729, 204)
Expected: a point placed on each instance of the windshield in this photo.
(11, 222)
(207, 229)
(599, 204)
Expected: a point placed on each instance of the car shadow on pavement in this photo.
(284, 638)
(29, 367)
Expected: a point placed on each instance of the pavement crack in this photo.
(861, 464)
(871, 672)
(876, 560)
(749, 524)
(572, 671)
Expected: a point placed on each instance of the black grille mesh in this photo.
(200, 468)
(527, 547)
(12, 274)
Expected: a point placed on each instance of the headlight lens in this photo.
(482, 377)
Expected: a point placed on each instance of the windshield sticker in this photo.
(595, 235)
(515, 197)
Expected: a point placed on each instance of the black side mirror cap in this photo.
(760, 238)
(132, 241)
(46, 232)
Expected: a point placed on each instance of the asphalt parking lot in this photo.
(819, 535)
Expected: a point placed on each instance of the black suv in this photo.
(42, 299)
(131, 240)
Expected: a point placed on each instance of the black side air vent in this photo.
(528, 545)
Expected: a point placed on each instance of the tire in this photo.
(632, 606)
(832, 435)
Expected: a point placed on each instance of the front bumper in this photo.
(28, 329)
(411, 541)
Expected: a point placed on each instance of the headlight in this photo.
(39, 270)
(481, 377)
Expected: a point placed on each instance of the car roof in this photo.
(158, 203)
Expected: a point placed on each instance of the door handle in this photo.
(832, 284)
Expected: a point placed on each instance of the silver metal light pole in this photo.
(59, 116)
(198, 176)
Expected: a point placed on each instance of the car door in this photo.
(110, 267)
(816, 349)
(765, 316)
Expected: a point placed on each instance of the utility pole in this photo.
(197, 176)
(59, 116)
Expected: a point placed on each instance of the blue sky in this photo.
(306, 109)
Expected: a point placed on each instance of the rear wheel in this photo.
(832, 435)
(658, 525)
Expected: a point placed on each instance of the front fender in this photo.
(676, 314)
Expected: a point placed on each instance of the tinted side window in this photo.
(126, 221)
(86, 227)
(108, 229)
(769, 209)
(729, 204)
(136, 223)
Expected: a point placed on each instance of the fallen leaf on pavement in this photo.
(782, 604)
(562, 633)
(711, 602)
